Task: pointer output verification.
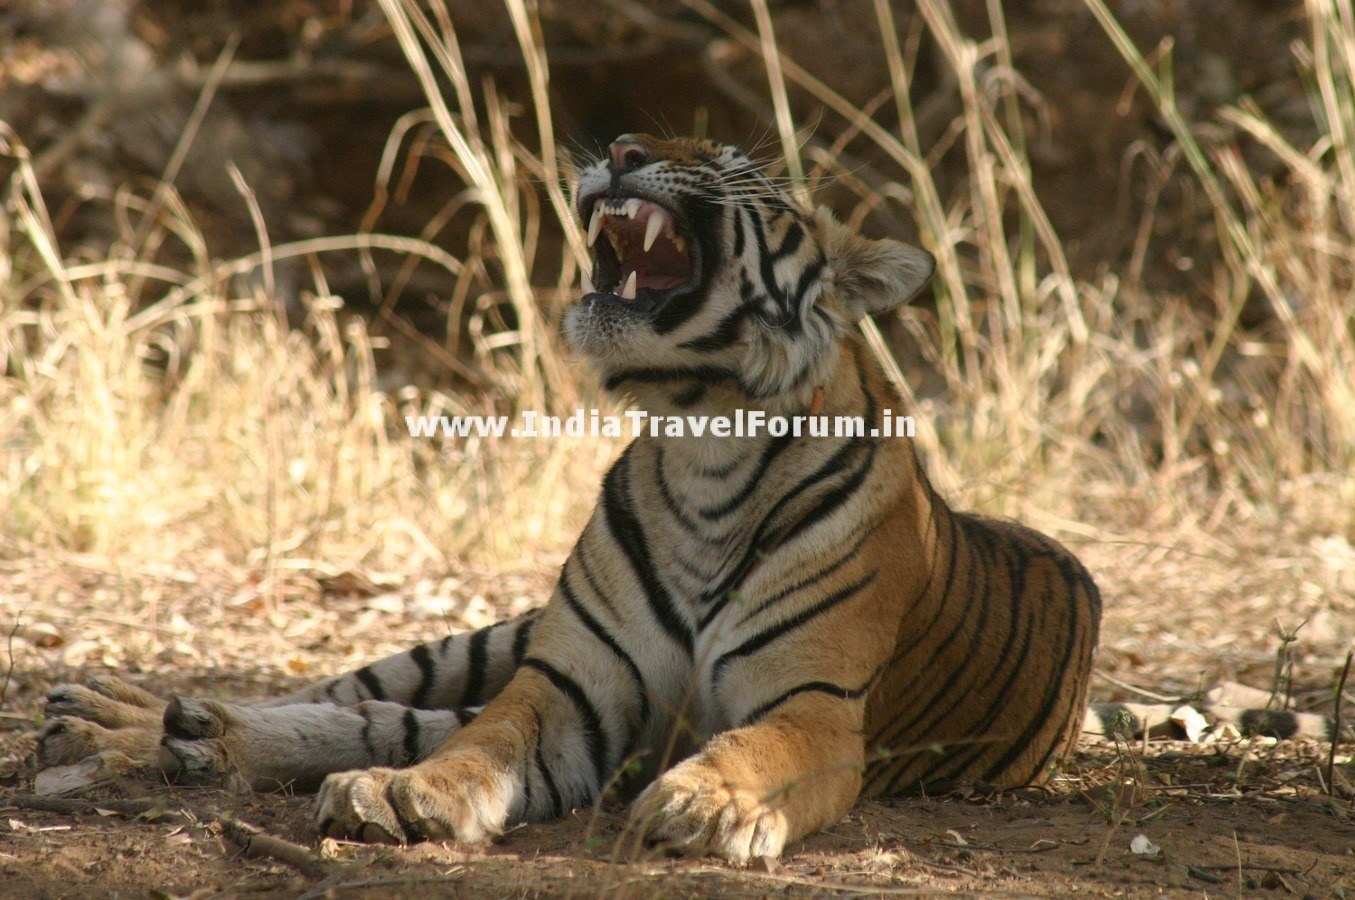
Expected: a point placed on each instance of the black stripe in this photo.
(1269, 723)
(424, 660)
(674, 508)
(700, 575)
(411, 723)
(595, 737)
(830, 502)
(626, 529)
(411, 832)
(738, 233)
(1014, 662)
(765, 261)
(371, 682)
(580, 553)
(366, 733)
(722, 472)
(771, 633)
(810, 580)
(477, 655)
(520, 641)
(601, 633)
(764, 539)
(773, 449)
(807, 279)
(811, 687)
(944, 603)
(1054, 691)
(704, 374)
(686, 399)
(725, 334)
(795, 235)
(557, 806)
(936, 708)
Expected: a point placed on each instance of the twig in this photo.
(252, 841)
(259, 845)
(993, 848)
(329, 887)
(1200, 873)
(1335, 724)
(185, 143)
(1229, 867)
(67, 806)
(1124, 685)
(18, 620)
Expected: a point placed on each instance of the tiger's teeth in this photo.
(653, 228)
(680, 243)
(632, 207)
(586, 283)
(628, 291)
(594, 226)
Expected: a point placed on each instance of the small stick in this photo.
(1336, 723)
(255, 843)
(9, 648)
(71, 807)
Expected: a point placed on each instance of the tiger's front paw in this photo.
(693, 811)
(446, 799)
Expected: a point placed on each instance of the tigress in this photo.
(758, 628)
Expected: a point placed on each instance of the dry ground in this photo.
(1233, 818)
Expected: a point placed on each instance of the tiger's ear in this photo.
(871, 276)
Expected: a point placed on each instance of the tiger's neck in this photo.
(850, 387)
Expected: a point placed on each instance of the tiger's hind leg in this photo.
(296, 746)
(392, 712)
(103, 715)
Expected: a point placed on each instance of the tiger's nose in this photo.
(628, 153)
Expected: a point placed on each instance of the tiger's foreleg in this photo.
(548, 742)
(757, 788)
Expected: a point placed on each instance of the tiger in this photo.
(751, 632)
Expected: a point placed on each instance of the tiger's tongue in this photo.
(663, 267)
(659, 268)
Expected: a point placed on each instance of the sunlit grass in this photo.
(148, 412)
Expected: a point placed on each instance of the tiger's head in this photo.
(702, 265)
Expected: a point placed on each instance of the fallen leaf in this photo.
(42, 634)
(64, 779)
(1144, 847)
(1189, 719)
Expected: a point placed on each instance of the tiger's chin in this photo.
(607, 332)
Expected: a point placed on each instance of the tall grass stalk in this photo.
(153, 411)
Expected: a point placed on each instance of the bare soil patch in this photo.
(1238, 818)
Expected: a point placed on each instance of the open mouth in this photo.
(640, 254)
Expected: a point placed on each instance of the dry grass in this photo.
(186, 470)
(154, 413)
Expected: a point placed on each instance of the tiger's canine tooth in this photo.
(586, 283)
(595, 226)
(628, 291)
(632, 207)
(654, 226)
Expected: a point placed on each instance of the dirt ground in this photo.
(1229, 817)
